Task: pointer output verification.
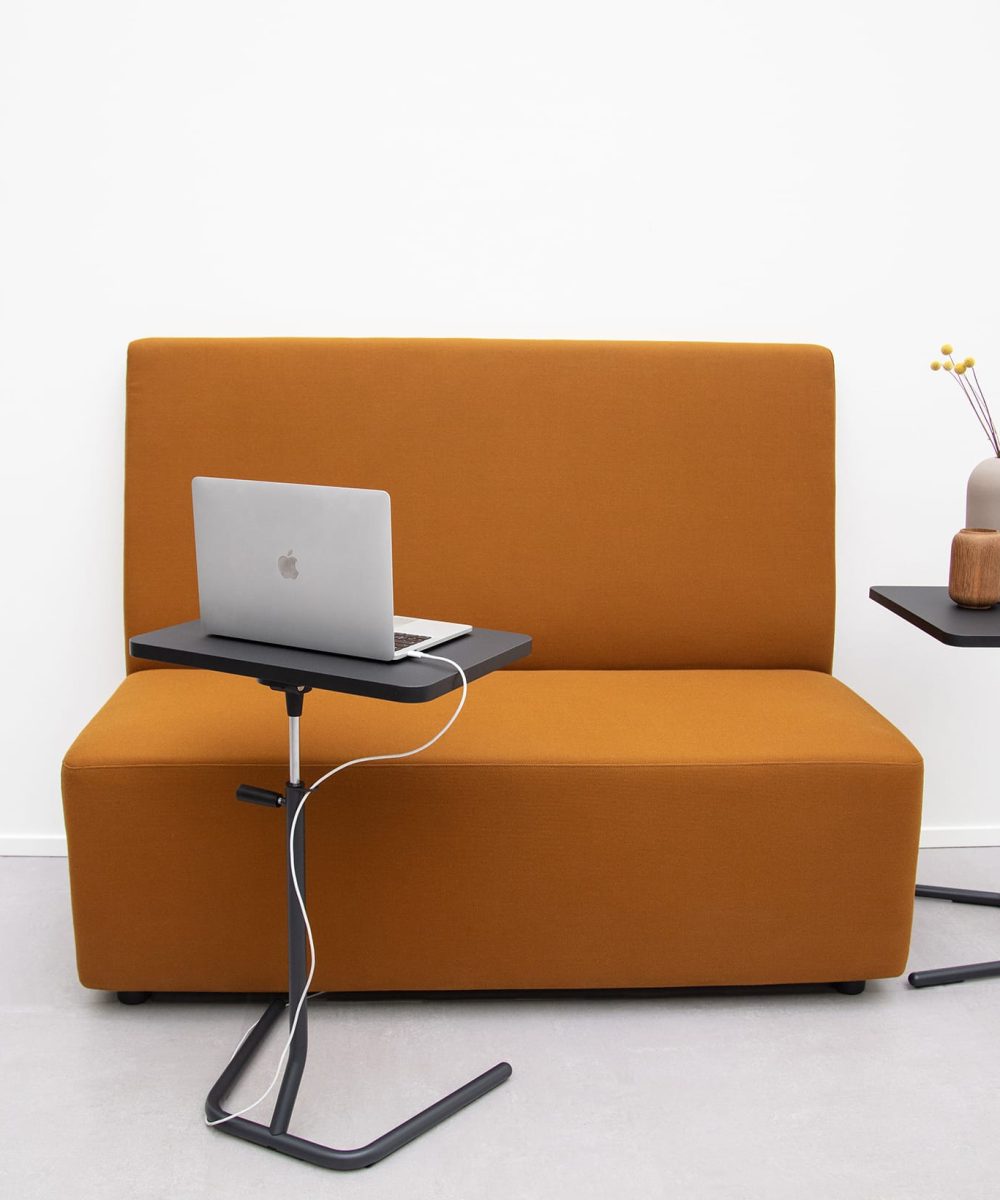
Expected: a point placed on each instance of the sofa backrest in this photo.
(629, 504)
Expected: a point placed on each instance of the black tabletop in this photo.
(933, 611)
(410, 680)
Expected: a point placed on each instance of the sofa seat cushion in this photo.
(620, 719)
(675, 828)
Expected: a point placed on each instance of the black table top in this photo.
(410, 680)
(931, 609)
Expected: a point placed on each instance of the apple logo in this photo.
(287, 566)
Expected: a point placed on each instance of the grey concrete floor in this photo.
(891, 1095)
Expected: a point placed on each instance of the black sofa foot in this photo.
(134, 997)
(851, 987)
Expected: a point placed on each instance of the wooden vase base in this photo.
(974, 578)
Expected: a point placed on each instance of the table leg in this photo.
(297, 965)
(940, 975)
(275, 1136)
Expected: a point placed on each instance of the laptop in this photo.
(303, 565)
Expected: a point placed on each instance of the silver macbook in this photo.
(303, 565)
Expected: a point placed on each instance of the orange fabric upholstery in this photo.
(673, 791)
(575, 829)
(629, 504)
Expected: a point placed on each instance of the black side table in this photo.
(930, 609)
(295, 672)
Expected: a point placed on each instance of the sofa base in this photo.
(850, 987)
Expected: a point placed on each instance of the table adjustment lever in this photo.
(261, 796)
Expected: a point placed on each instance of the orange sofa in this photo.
(672, 791)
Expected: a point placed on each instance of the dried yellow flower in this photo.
(970, 362)
(947, 348)
(960, 368)
(947, 366)
(935, 365)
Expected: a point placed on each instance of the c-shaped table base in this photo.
(939, 975)
(276, 1136)
(326, 1156)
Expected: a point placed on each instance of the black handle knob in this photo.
(256, 795)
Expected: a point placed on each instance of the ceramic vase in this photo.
(982, 498)
(974, 578)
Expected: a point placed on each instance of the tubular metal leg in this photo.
(297, 966)
(275, 1136)
(940, 975)
(326, 1156)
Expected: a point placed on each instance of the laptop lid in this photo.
(295, 564)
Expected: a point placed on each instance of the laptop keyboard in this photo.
(405, 640)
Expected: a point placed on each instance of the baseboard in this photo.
(931, 836)
(959, 835)
(48, 845)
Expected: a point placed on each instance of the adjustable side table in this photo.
(295, 672)
(931, 609)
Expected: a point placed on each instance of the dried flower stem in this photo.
(979, 406)
(986, 407)
(990, 432)
(976, 402)
(987, 429)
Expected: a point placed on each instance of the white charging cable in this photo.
(298, 892)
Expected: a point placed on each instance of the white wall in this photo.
(778, 171)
